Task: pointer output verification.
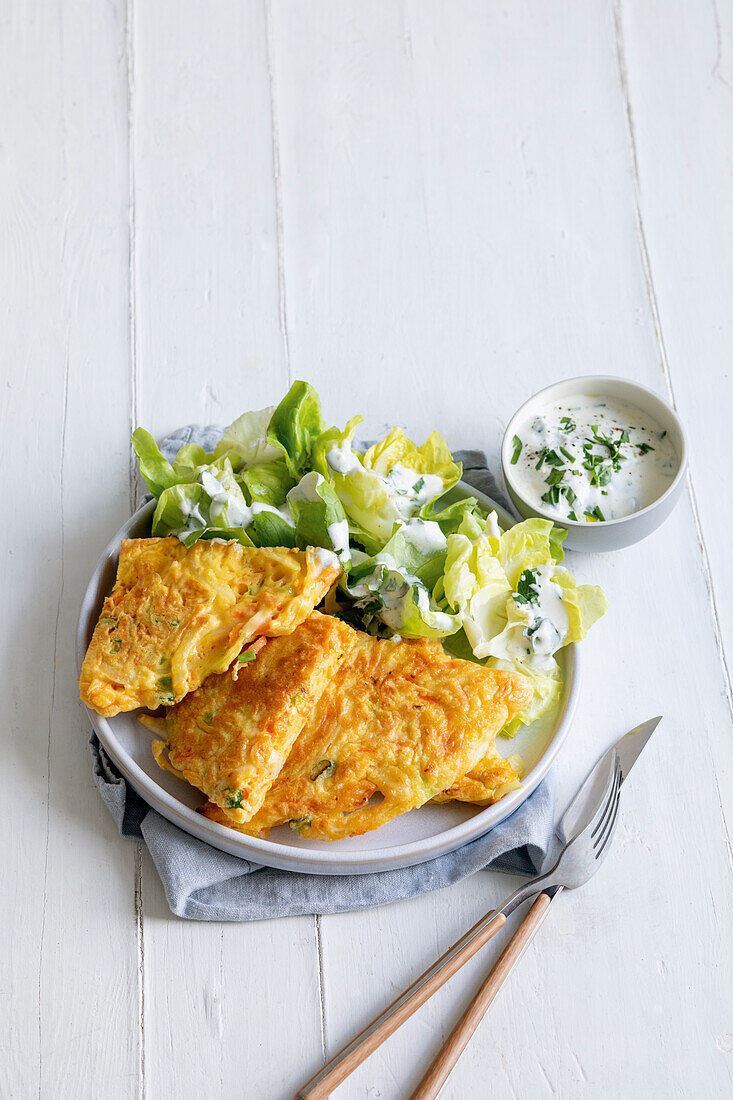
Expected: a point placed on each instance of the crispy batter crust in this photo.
(397, 724)
(486, 783)
(177, 614)
(232, 736)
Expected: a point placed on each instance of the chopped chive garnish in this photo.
(572, 515)
(645, 448)
(552, 458)
(568, 454)
(567, 424)
(517, 449)
(526, 587)
(595, 514)
(248, 655)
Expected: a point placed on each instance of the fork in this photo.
(579, 859)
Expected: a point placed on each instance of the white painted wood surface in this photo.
(429, 210)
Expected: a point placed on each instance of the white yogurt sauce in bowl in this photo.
(601, 456)
(587, 459)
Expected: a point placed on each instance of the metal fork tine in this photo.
(612, 824)
(605, 810)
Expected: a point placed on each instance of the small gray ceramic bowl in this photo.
(612, 534)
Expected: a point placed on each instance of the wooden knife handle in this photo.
(339, 1068)
(457, 1042)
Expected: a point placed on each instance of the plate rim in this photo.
(307, 860)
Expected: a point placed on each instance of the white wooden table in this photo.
(429, 210)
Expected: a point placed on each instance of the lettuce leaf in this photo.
(245, 441)
(584, 603)
(387, 485)
(154, 468)
(392, 588)
(547, 690)
(270, 529)
(319, 517)
(476, 585)
(267, 482)
(433, 457)
(294, 425)
(465, 514)
(525, 546)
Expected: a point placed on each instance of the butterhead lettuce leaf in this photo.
(433, 457)
(584, 603)
(294, 425)
(267, 482)
(245, 441)
(319, 516)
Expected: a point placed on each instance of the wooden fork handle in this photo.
(457, 1042)
(339, 1068)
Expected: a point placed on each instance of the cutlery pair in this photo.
(586, 828)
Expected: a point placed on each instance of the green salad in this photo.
(415, 563)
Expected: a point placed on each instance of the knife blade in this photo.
(583, 806)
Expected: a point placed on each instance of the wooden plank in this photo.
(209, 343)
(69, 976)
(678, 65)
(234, 1008)
(459, 228)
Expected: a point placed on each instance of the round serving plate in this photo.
(411, 838)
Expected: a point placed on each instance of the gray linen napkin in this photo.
(202, 883)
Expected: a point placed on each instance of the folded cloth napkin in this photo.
(202, 883)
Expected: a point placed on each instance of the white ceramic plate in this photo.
(411, 838)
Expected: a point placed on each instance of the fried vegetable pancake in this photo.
(398, 724)
(177, 614)
(487, 782)
(232, 736)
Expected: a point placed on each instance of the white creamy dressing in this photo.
(306, 488)
(284, 512)
(342, 459)
(191, 510)
(548, 621)
(339, 536)
(409, 489)
(492, 526)
(325, 558)
(425, 535)
(238, 513)
(599, 482)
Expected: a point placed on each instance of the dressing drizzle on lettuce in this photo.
(415, 565)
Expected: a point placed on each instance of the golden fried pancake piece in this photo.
(177, 614)
(399, 723)
(231, 737)
(487, 782)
